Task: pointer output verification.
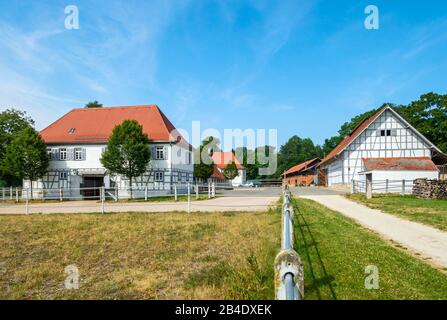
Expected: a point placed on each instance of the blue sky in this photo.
(302, 67)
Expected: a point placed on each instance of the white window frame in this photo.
(78, 154)
(63, 151)
(159, 153)
(63, 175)
(159, 176)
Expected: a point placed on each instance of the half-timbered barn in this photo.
(384, 146)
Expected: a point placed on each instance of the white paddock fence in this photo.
(383, 186)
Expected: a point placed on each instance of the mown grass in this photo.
(140, 255)
(335, 252)
(431, 212)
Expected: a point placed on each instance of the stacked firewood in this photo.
(430, 189)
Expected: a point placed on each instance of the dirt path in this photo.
(428, 242)
(228, 203)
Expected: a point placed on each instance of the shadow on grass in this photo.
(313, 261)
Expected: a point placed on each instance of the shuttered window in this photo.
(62, 154)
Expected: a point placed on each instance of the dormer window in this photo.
(72, 130)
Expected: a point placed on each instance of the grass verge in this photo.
(140, 255)
(431, 212)
(335, 252)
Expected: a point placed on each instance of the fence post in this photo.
(175, 193)
(10, 193)
(145, 193)
(197, 191)
(3, 194)
(103, 194)
(17, 194)
(61, 196)
(116, 193)
(352, 186)
(213, 190)
(27, 201)
(387, 188)
(189, 198)
(403, 187)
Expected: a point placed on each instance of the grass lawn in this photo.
(335, 251)
(427, 211)
(140, 255)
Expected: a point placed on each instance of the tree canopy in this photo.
(26, 156)
(203, 163)
(230, 172)
(127, 151)
(93, 104)
(295, 151)
(12, 121)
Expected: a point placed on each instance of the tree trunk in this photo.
(131, 192)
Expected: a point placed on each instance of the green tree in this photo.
(12, 121)
(429, 116)
(230, 172)
(26, 156)
(127, 151)
(295, 151)
(93, 104)
(203, 163)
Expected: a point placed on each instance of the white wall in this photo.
(404, 175)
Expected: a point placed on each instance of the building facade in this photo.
(77, 140)
(384, 135)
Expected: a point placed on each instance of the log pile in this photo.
(430, 189)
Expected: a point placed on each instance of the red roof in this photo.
(217, 174)
(95, 125)
(300, 166)
(399, 164)
(352, 136)
(222, 159)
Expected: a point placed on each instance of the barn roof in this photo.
(302, 166)
(222, 159)
(217, 174)
(362, 127)
(399, 164)
(95, 125)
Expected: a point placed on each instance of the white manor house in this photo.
(77, 140)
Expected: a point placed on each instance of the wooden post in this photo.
(352, 186)
(27, 201)
(116, 193)
(103, 194)
(387, 188)
(213, 190)
(175, 193)
(197, 191)
(10, 193)
(61, 196)
(145, 193)
(189, 198)
(368, 186)
(403, 187)
(17, 194)
(3, 194)
(209, 190)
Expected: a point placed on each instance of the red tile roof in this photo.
(399, 164)
(352, 136)
(222, 159)
(95, 125)
(217, 174)
(301, 166)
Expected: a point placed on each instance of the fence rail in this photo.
(382, 186)
(25, 196)
(289, 275)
